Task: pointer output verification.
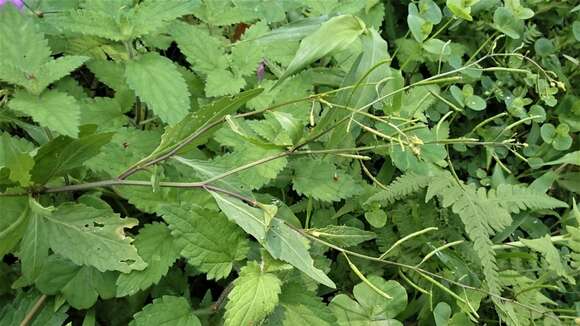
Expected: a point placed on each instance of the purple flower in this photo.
(17, 3)
(261, 71)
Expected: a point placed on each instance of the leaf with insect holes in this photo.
(159, 250)
(93, 237)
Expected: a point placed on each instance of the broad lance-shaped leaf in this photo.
(63, 154)
(14, 155)
(210, 242)
(14, 221)
(166, 311)
(158, 83)
(35, 243)
(281, 241)
(94, 237)
(158, 249)
(334, 35)
(254, 296)
(194, 121)
(52, 109)
(367, 74)
(14, 311)
(81, 286)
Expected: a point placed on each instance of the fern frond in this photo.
(481, 217)
(517, 198)
(405, 185)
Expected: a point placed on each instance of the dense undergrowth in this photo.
(325, 162)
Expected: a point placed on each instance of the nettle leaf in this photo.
(303, 308)
(158, 83)
(321, 180)
(93, 237)
(210, 242)
(63, 154)
(158, 249)
(89, 22)
(81, 286)
(24, 50)
(151, 15)
(333, 35)
(223, 82)
(15, 156)
(254, 296)
(55, 110)
(166, 311)
(203, 51)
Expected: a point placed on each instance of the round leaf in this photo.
(475, 103)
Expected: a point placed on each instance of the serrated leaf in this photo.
(93, 237)
(81, 286)
(222, 82)
(90, 22)
(62, 154)
(158, 83)
(254, 296)
(210, 242)
(333, 35)
(158, 249)
(52, 109)
(204, 52)
(342, 235)
(14, 155)
(150, 16)
(166, 311)
(304, 308)
(25, 50)
(322, 181)
(52, 71)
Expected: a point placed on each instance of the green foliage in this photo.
(254, 296)
(289, 162)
